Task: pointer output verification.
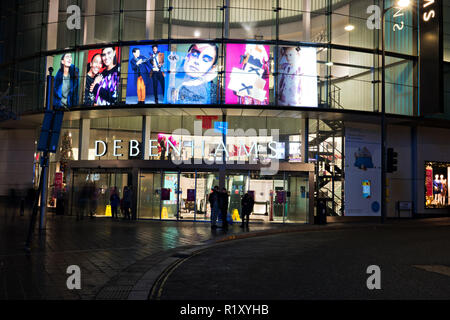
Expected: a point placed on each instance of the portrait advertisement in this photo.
(66, 69)
(192, 74)
(145, 83)
(102, 77)
(297, 77)
(247, 74)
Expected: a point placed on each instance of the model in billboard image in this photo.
(94, 67)
(157, 74)
(192, 75)
(140, 67)
(65, 93)
(297, 85)
(144, 74)
(247, 74)
(106, 84)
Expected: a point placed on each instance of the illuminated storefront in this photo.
(281, 99)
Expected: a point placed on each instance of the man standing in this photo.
(214, 202)
(223, 204)
(247, 208)
(157, 75)
(139, 65)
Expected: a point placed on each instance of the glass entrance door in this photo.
(149, 195)
(92, 190)
(169, 196)
(237, 186)
(298, 200)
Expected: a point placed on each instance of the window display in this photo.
(436, 185)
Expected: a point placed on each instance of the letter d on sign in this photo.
(374, 281)
(74, 281)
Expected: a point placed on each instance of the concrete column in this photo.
(150, 19)
(146, 133)
(304, 131)
(85, 132)
(89, 21)
(306, 20)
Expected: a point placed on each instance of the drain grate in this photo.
(114, 293)
(181, 255)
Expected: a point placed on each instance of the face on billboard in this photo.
(192, 74)
(247, 74)
(200, 59)
(101, 86)
(297, 85)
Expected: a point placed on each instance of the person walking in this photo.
(247, 208)
(215, 209)
(223, 206)
(126, 203)
(114, 200)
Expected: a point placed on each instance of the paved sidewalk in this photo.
(102, 248)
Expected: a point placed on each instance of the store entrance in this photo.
(92, 188)
(169, 195)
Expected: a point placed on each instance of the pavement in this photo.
(171, 260)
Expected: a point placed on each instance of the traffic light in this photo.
(391, 160)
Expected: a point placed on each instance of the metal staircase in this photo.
(327, 149)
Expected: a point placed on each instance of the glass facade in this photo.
(348, 60)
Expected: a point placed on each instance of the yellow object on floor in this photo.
(164, 213)
(108, 211)
(235, 215)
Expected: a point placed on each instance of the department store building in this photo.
(278, 98)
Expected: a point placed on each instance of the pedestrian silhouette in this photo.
(247, 208)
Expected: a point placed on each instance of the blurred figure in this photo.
(114, 200)
(60, 203)
(83, 200)
(247, 208)
(93, 197)
(215, 209)
(126, 202)
(223, 205)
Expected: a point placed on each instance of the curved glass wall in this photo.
(346, 59)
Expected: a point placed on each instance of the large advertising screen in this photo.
(436, 185)
(247, 74)
(102, 77)
(192, 74)
(297, 80)
(67, 79)
(189, 73)
(146, 76)
(363, 167)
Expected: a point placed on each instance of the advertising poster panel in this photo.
(101, 86)
(436, 185)
(146, 76)
(362, 171)
(297, 82)
(192, 74)
(67, 68)
(247, 74)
